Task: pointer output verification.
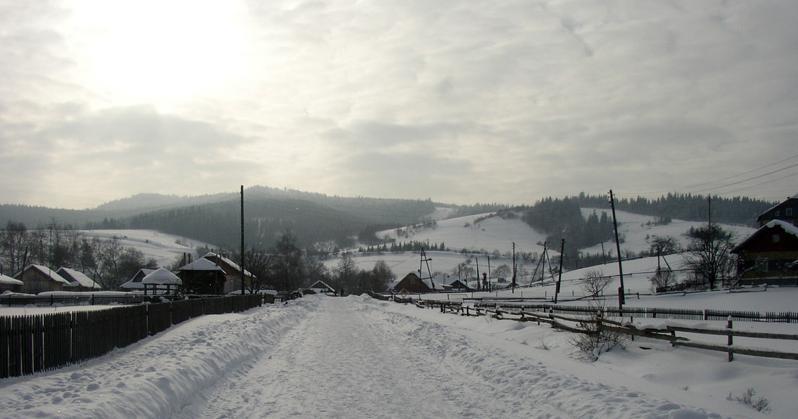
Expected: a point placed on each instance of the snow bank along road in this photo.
(336, 357)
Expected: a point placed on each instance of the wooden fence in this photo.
(654, 313)
(668, 333)
(44, 342)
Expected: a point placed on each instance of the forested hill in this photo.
(735, 210)
(563, 218)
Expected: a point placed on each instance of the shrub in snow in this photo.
(595, 339)
(594, 283)
(750, 399)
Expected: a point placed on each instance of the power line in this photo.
(695, 188)
(750, 178)
(741, 173)
(789, 175)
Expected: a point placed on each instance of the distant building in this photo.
(232, 272)
(135, 282)
(769, 255)
(38, 278)
(8, 283)
(411, 283)
(785, 211)
(202, 276)
(161, 281)
(213, 274)
(321, 287)
(78, 281)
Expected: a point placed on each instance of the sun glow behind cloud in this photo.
(160, 52)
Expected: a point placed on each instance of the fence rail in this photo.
(34, 343)
(522, 312)
(662, 313)
(86, 298)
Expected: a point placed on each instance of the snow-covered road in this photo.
(334, 357)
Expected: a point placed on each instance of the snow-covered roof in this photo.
(201, 264)
(787, 227)
(7, 280)
(162, 276)
(135, 282)
(78, 277)
(321, 285)
(228, 262)
(48, 273)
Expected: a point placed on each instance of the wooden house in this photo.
(232, 272)
(202, 276)
(411, 283)
(784, 211)
(769, 255)
(78, 281)
(38, 278)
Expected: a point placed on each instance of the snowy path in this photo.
(350, 359)
(335, 357)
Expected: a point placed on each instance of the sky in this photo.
(458, 101)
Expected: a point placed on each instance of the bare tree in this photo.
(709, 253)
(663, 279)
(593, 282)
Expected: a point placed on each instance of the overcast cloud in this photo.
(459, 101)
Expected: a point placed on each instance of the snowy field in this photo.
(164, 248)
(493, 233)
(496, 233)
(355, 357)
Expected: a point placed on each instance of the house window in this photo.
(788, 212)
(776, 238)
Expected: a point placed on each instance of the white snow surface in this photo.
(164, 248)
(355, 357)
(491, 233)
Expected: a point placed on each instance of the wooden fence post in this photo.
(729, 341)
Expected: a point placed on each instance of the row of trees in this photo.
(106, 261)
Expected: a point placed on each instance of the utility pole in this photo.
(476, 258)
(243, 276)
(559, 278)
(603, 255)
(513, 286)
(488, 256)
(621, 298)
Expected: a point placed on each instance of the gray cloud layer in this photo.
(459, 101)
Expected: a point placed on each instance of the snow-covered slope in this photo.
(475, 232)
(489, 232)
(164, 248)
(635, 229)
